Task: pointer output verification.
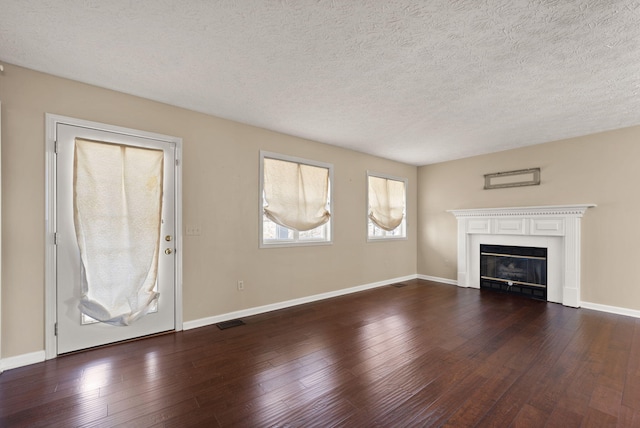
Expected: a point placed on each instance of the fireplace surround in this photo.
(555, 228)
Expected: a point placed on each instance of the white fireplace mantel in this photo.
(556, 227)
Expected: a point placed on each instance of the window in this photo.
(295, 201)
(386, 207)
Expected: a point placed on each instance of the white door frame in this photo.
(1, 366)
(52, 121)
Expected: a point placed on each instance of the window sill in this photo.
(386, 239)
(294, 244)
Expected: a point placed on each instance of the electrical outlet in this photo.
(240, 285)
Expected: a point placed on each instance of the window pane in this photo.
(376, 232)
(317, 234)
(275, 232)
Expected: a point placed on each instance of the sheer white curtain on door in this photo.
(117, 214)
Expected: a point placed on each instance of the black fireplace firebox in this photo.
(516, 270)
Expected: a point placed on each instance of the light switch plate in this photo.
(193, 230)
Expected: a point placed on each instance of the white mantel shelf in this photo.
(563, 210)
(556, 227)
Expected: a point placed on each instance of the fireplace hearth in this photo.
(514, 270)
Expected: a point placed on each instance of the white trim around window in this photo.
(272, 235)
(375, 233)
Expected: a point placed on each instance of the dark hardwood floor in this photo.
(425, 354)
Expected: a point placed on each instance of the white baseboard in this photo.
(587, 305)
(611, 309)
(21, 360)
(188, 325)
(39, 356)
(437, 279)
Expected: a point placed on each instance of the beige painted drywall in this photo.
(603, 169)
(220, 194)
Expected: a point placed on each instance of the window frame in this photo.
(405, 222)
(295, 242)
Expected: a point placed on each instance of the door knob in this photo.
(168, 251)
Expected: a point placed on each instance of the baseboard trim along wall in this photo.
(611, 309)
(587, 305)
(437, 279)
(21, 360)
(39, 356)
(202, 322)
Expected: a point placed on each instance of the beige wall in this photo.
(220, 168)
(603, 169)
(220, 192)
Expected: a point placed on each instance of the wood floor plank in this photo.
(566, 418)
(482, 398)
(606, 400)
(529, 416)
(424, 354)
(531, 382)
(628, 417)
(597, 419)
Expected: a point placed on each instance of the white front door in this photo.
(74, 329)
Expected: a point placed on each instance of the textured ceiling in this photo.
(414, 81)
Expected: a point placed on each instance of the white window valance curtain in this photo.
(117, 215)
(295, 194)
(386, 202)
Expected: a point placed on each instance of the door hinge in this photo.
(177, 162)
(55, 147)
(55, 329)
(55, 238)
